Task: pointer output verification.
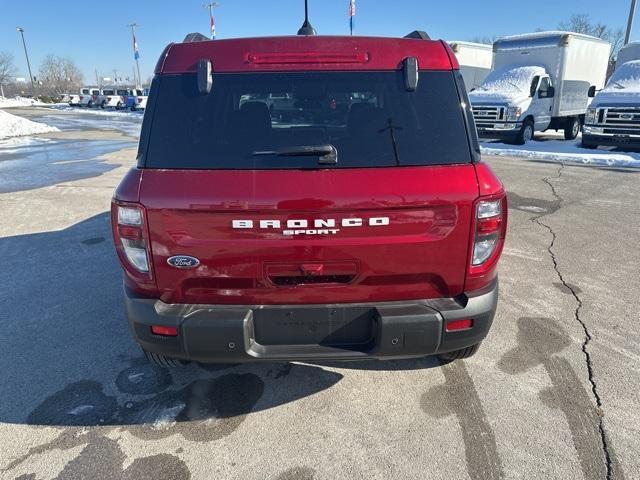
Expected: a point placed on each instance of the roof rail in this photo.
(418, 34)
(195, 37)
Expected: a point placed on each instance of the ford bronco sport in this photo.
(358, 222)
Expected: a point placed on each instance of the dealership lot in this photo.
(552, 393)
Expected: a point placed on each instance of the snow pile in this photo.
(20, 102)
(14, 126)
(563, 151)
(508, 81)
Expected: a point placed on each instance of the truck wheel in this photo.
(162, 361)
(572, 128)
(90, 104)
(459, 354)
(525, 135)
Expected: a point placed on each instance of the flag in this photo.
(352, 13)
(213, 26)
(136, 54)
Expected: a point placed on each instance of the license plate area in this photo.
(336, 327)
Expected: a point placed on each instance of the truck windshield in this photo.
(511, 79)
(626, 77)
(368, 119)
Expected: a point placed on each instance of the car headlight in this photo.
(513, 113)
(590, 117)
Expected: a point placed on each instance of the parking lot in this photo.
(552, 393)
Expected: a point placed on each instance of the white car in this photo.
(89, 97)
(113, 97)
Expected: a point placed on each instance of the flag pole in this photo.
(212, 23)
(136, 54)
(352, 13)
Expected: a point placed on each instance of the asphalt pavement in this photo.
(552, 393)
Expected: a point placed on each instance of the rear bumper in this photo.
(223, 333)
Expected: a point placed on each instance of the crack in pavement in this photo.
(587, 335)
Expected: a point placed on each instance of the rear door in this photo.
(389, 220)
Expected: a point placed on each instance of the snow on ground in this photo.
(100, 112)
(563, 151)
(14, 126)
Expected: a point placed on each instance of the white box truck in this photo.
(539, 81)
(475, 61)
(613, 118)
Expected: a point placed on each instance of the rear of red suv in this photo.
(352, 220)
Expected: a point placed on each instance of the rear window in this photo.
(368, 117)
(123, 92)
(107, 92)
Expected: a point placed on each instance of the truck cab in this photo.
(539, 81)
(613, 118)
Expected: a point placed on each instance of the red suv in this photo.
(353, 220)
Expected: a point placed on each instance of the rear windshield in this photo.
(107, 92)
(249, 119)
(123, 92)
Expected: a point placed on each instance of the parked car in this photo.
(376, 235)
(539, 81)
(90, 97)
(613, 118)
(137, 98)
(475, 61)
(113, 97)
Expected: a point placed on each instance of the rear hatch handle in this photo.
(327, 154)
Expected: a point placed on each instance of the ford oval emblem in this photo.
(183, 261)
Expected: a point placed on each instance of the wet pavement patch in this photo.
(532, 205)
(458, 396)
(48, 163)
(93, 240)
(540, 342)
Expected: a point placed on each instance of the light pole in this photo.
(136, 54)
(632, 12)
(21, 30)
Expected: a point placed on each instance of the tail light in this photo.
(108, 99)
(139, 99)
(131, 239)
(81, 97)
(488, 236)
(94, 97)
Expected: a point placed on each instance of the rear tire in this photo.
(525, 135)
(162, 361)
(572, 128)
(459, 354)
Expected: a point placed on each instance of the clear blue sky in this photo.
(95, 36)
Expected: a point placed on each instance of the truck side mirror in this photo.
(592, 91)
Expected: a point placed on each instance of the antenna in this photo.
(306, 28)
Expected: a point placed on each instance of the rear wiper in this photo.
(394, 143)
(327, 154)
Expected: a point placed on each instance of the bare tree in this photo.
(581, 23)
(59, 75)
(484, 39)
(7, 70)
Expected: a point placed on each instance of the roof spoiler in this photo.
(195, 37)
(418, 34)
